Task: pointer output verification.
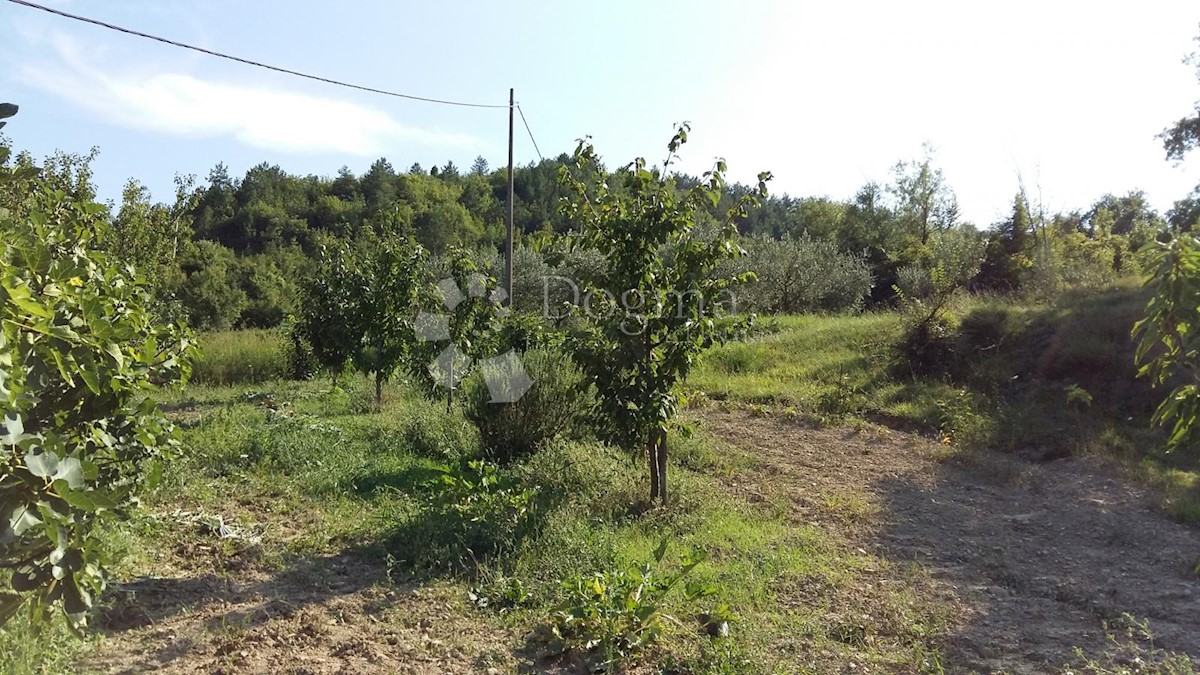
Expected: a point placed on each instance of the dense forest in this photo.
(230, 252)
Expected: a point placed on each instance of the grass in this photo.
(1042, 380)
(241, 357)
(322, 472)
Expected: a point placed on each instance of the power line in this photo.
(535, 145)
(248, 62)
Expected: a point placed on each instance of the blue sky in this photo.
(825, 95)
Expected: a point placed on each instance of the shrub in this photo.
(524, 331)
(477, 509)
(926, 292)
(556, 404)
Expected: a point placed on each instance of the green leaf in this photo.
(114, 350)
(22, 519)
(8, 110)
(661, 551)
(14, 428)
(43, 464)
(71, 471)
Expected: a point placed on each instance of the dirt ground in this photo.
(334, 614)
(1027, 561)
(1032, 558)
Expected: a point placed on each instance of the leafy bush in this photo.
(616, 614)
(206, 285)
(556, 404)
(524, 331)
(241, 357)
(80, 357)
(925, 292)
(483, 509)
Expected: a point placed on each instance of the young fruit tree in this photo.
(359, 307)
(1168, 349)
(80, 358)
(656, 308)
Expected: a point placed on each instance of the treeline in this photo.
(229, 252)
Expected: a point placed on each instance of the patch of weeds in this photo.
(1132, 652)
(738, 358)
(50, 648)
(846, 399)
(691, 447)
(848, 507)
(721, 656)
(500, 593)
(614, 615)
(960, 421)
(474, 511)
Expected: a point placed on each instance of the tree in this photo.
(206, 284)
(479, 167)
(1185, 213)
(1006, 255)
(1184, 135)
(328, 309)
(1122, 215)
(378, 187)
(924, 201)
(80, 357)
(654, 311)
(391, 289)
(1169, 336)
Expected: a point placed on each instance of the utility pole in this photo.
(508, 242)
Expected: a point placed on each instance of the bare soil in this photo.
(1029, 559)
(328, 614)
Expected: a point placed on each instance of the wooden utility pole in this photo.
(508, 242)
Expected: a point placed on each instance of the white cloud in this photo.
(183, 105)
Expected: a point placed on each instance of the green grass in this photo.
(1008, 387)
(241, 357)
(343, 477)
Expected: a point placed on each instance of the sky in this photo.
(1064, 96)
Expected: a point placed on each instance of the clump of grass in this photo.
(241, 357)
(49, 648)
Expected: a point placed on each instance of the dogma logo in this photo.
(504, 375)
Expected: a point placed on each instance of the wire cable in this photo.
(257, 64)
(535, 145)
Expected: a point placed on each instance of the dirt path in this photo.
(1032, 558)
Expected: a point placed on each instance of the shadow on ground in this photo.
(1025, 560)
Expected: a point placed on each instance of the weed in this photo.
(1132, 652)
(617, 614)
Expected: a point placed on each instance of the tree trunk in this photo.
(652, 460)
(662, 466)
